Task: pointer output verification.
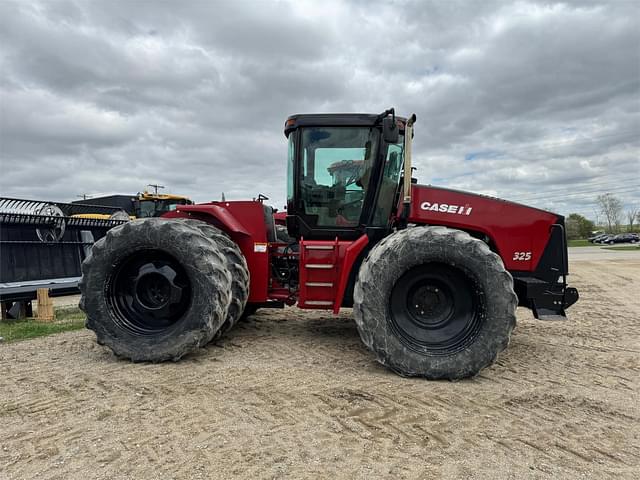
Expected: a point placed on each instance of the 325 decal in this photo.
(521, 256)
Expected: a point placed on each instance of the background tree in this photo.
(633, 215)
(578, 226)
(596, 215)
(611, 210)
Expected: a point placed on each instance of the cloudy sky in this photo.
(532, 101)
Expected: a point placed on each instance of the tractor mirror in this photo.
(390, 131)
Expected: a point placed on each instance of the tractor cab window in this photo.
(337, 164)
(147, 209)
(155, 208)
(389, 184)
(290, 167)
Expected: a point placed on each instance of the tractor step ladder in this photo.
(319, 270)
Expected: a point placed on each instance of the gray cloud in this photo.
(535, 101)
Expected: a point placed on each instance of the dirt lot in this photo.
(295, 395)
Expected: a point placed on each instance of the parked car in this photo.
(619, 238)
(596, 238)
(605, 239)
(625, 238)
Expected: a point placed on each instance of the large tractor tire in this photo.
(155, 289)
(237, 266)
(434, 302)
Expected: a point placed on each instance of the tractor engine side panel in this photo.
(518, 233)
(247, 223)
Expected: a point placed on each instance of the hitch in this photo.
(547, 301)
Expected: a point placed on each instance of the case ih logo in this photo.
(446, 208)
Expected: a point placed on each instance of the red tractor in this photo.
(433, 275)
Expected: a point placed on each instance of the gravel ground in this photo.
(294, 394)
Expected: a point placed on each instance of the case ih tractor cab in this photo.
(433, 275)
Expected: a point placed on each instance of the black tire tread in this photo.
(237, 266)
(209, 268)
(370, 302)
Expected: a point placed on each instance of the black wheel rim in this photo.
(149, 292)
(436, 309)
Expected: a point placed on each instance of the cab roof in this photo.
(335, 120)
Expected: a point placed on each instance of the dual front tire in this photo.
(155, 289)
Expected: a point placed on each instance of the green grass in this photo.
(624, 247)
(580, 243)
(66, 319)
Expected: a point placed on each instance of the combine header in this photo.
(434, 275)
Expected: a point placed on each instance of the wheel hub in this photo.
(149, 292)
(436, 309)
(429, 305)
(155, 288)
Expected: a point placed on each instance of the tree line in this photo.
(614, 218)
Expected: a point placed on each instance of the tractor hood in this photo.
(479, 195)
(517, 232)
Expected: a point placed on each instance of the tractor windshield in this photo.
(335, 173)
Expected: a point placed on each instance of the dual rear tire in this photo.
(155, 289)
(236, 265)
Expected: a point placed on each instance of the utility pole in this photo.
(84, 196)
(156, 187)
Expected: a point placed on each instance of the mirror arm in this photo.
(408, 169)
(390, 111)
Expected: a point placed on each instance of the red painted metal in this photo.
(222, 212)
(244, 222)
(350, 255)
(323, 264)
(513, 228)
(280, 218)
